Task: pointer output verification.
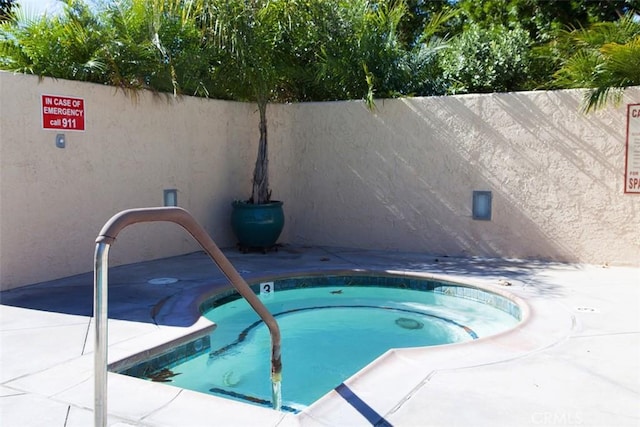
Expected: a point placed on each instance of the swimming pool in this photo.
(332, 326)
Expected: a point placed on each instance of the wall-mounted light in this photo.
(482, 205)
(171, 197)
(60, 140)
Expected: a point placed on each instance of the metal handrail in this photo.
(183, 218)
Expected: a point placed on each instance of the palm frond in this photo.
(623, 62)
(601, 96)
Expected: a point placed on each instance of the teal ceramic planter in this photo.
(257, 226)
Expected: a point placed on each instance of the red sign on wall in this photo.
(62, 113)
(632, 166)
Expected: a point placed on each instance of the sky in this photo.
(40, 6)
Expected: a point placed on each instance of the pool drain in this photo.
(406, 323)
(230, 380)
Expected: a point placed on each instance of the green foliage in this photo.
(249, 40)
(62, 46)
(252, 44)
(369, 59)
(487, 60)
(7, 8)
(153, 44)
(313, 50)
(284, 50)
(605, 57)
(421, 14)
(266, 51)
(129, 44)
(544, 21)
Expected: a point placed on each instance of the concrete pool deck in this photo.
(575, 361)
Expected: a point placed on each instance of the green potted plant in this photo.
(252, 66)
(284, 50)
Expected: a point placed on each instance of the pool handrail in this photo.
(183, 218)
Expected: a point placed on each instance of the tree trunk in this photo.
(260, 192)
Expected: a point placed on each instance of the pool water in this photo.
(328, 334)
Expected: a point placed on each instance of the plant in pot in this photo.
(287, 50)
(249, 39)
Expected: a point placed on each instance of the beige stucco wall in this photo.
(54, 201)
(402, 177)
(398, 178)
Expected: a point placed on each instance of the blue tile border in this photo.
(401, 282)
(170, 358)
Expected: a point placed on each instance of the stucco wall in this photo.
(54, 201)
(400, 177)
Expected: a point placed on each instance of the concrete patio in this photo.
(575, 361)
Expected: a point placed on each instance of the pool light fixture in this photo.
(482, 205)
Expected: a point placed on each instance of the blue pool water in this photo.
(328, 334)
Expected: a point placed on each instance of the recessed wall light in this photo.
(60, 140)
(171, 197)
(482, 205)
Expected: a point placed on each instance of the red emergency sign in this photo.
(62, 113)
